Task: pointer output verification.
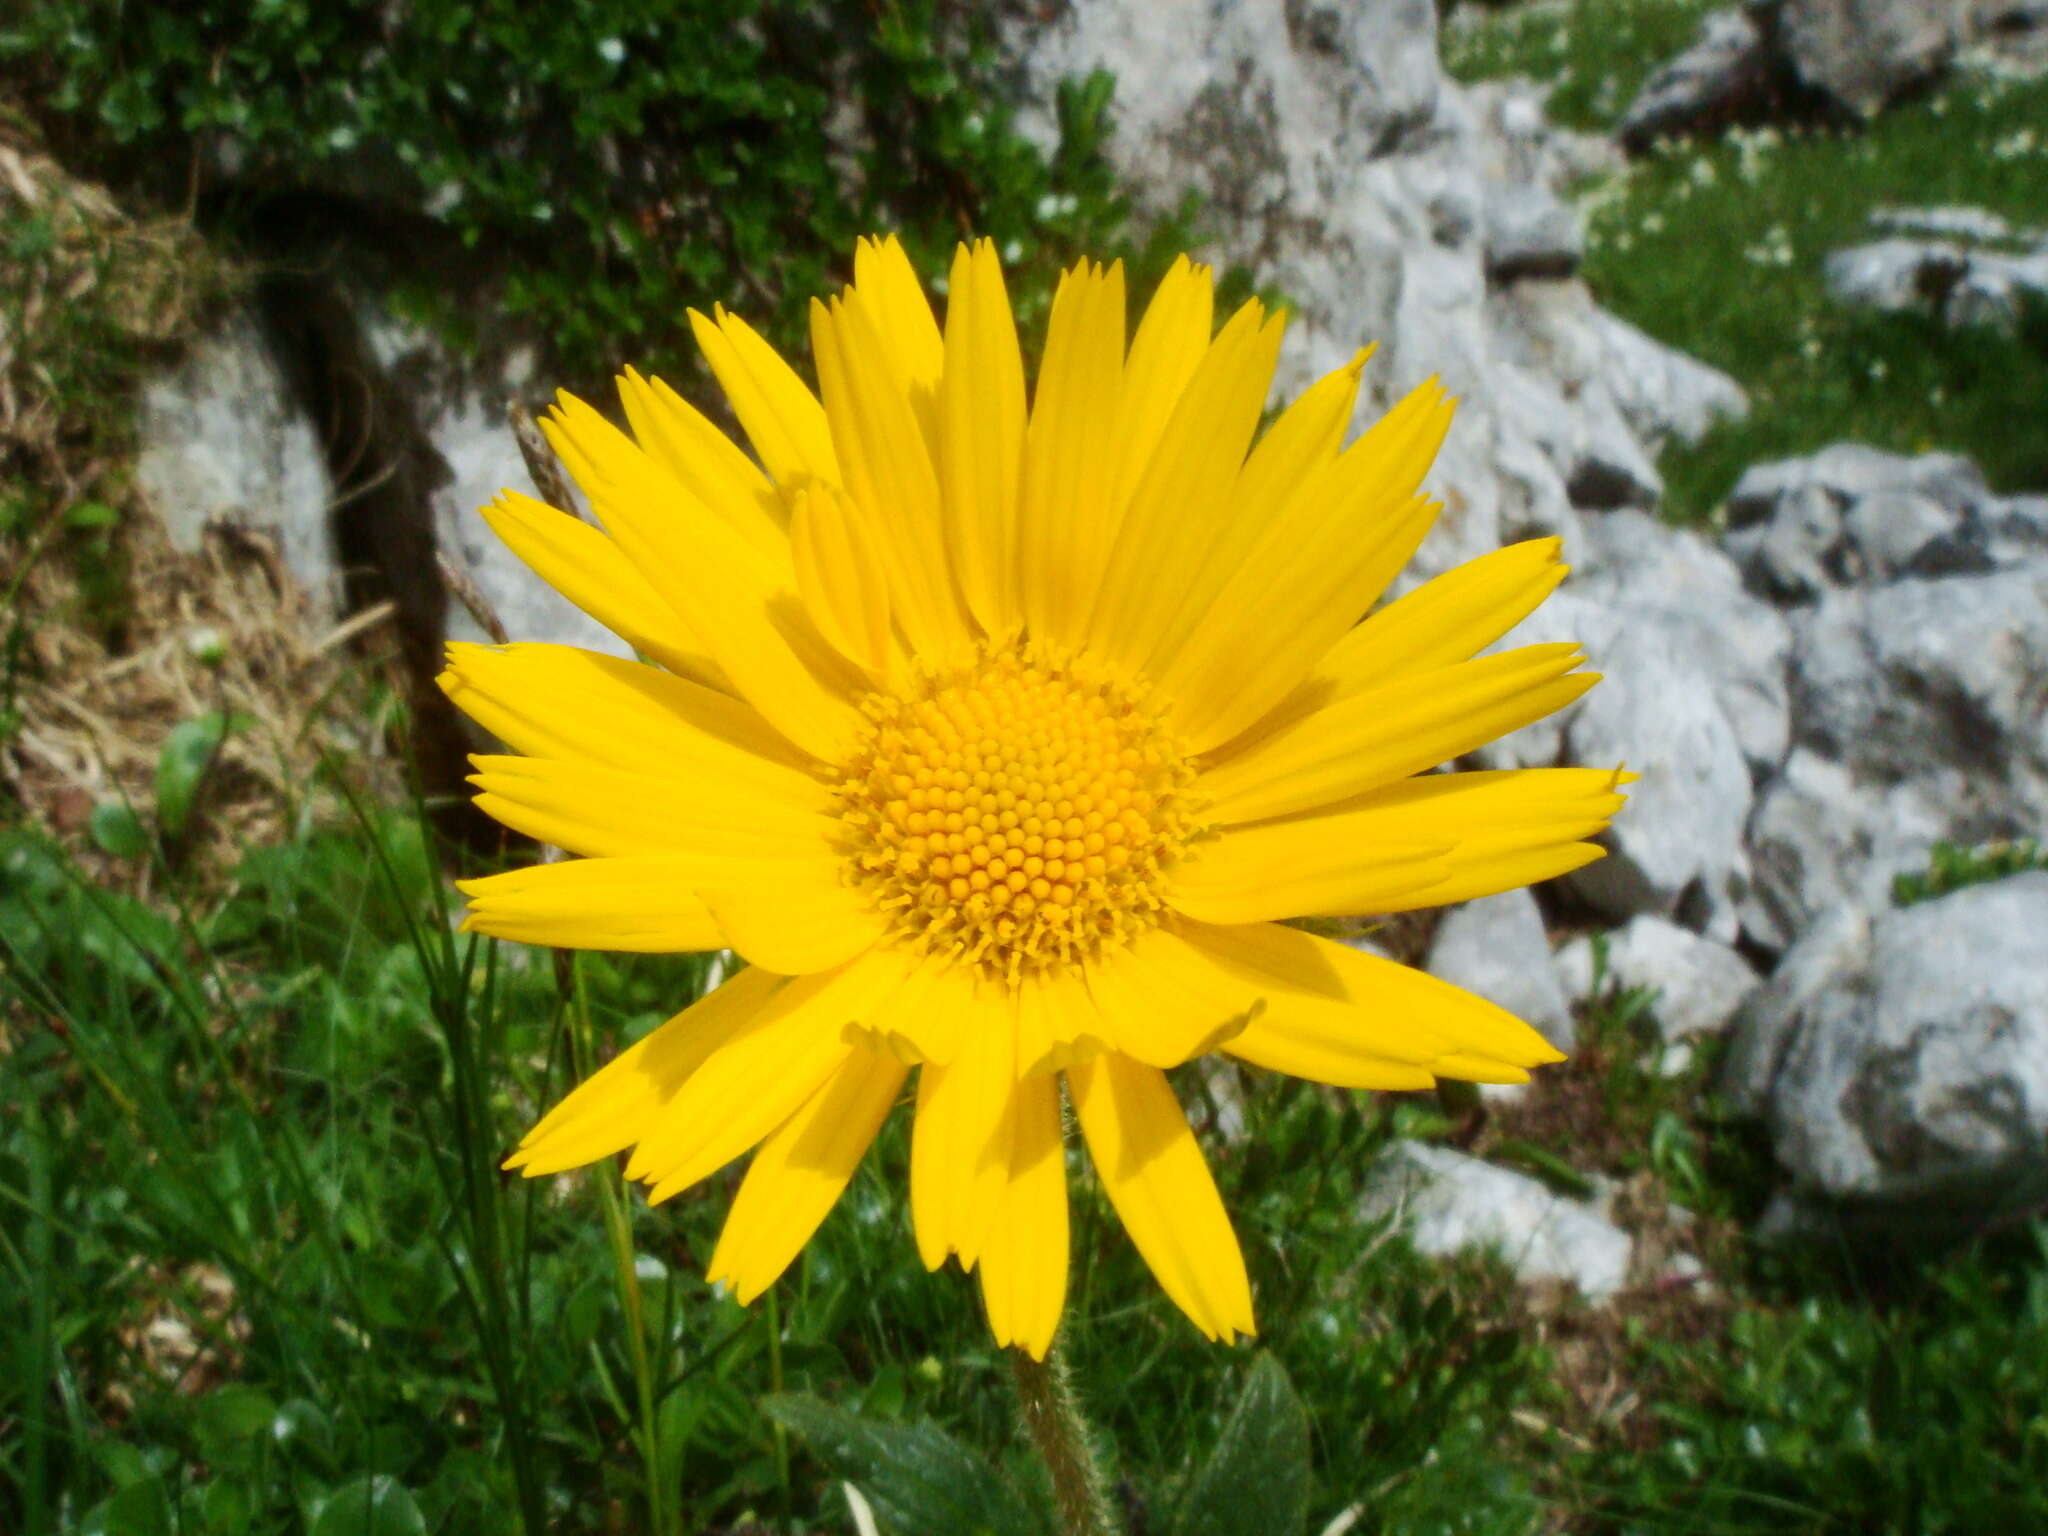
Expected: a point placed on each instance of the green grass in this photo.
(1950, 868)
(301, 1086)
(1593, 54)
(1717, 248)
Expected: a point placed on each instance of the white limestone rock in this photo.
(464, 419)
(1699, 985)
(1447, 1202)
(221, 439)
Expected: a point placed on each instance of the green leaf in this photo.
(919, 1479)
(118, 830)
(233, 1414)
(182, 764)
(1257, 1480)
(91, 514)
(370, 1506)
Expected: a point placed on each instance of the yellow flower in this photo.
(996, 741)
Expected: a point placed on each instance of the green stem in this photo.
(1059, 1433)
(663, 1511)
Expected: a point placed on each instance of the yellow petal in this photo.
(1339, 1015)
(981, 436)
(1063, 513)
(1300, 443)
(960, 1146)
(782, 418)
(1494, 831)
(574, 705)
(592, 572)
(890, 290)
(1386, 733)
(1171, 340)
(800, 1172)
(927, 1018)
(646, 904)
(1156, 1178)
(1256, 875)
(1452, 617)
(1024, 1256)
(763, 1074)
(1057, 1023)
(741, 603)
(784, 919)
(888, 472)
(616, 1106)
(1162, 1005)
(601, 813)
(1323, 561)
(705, 462)
(1181, 502)
(840, 576)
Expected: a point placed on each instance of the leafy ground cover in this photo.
(1717, 247)
(262, 1274)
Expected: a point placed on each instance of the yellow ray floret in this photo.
(998, 729)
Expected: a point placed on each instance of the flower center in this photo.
(1018, 814)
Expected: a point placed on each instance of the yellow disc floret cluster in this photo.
(1015, 815)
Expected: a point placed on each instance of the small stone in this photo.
(1699, 985)
(1447, 1202)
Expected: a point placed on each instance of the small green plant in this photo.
(1951, 867)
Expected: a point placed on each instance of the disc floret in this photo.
(1017, 814)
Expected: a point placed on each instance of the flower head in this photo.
(997, 739)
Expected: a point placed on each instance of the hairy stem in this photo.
(1052, 1415)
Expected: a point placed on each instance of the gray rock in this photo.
(1927, 675)
(221, 440)
(1965, 286)
(1820, 838)
(1864, 54)
(1678, 848)
(1678, 585)
(1902, 1063)
(1953, 222)
(464, 419)
(1530, 233)
(1722, 77)
(1903, 533)
(1834, 945)
(2016, 529)
(1896, 274)
(1497, 947)
(1686, 654)
(1448, 1203)
(1699, 984)
(1852, 514)
(1847, 471)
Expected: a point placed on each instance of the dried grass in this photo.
(222, 629)
(90, 297)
